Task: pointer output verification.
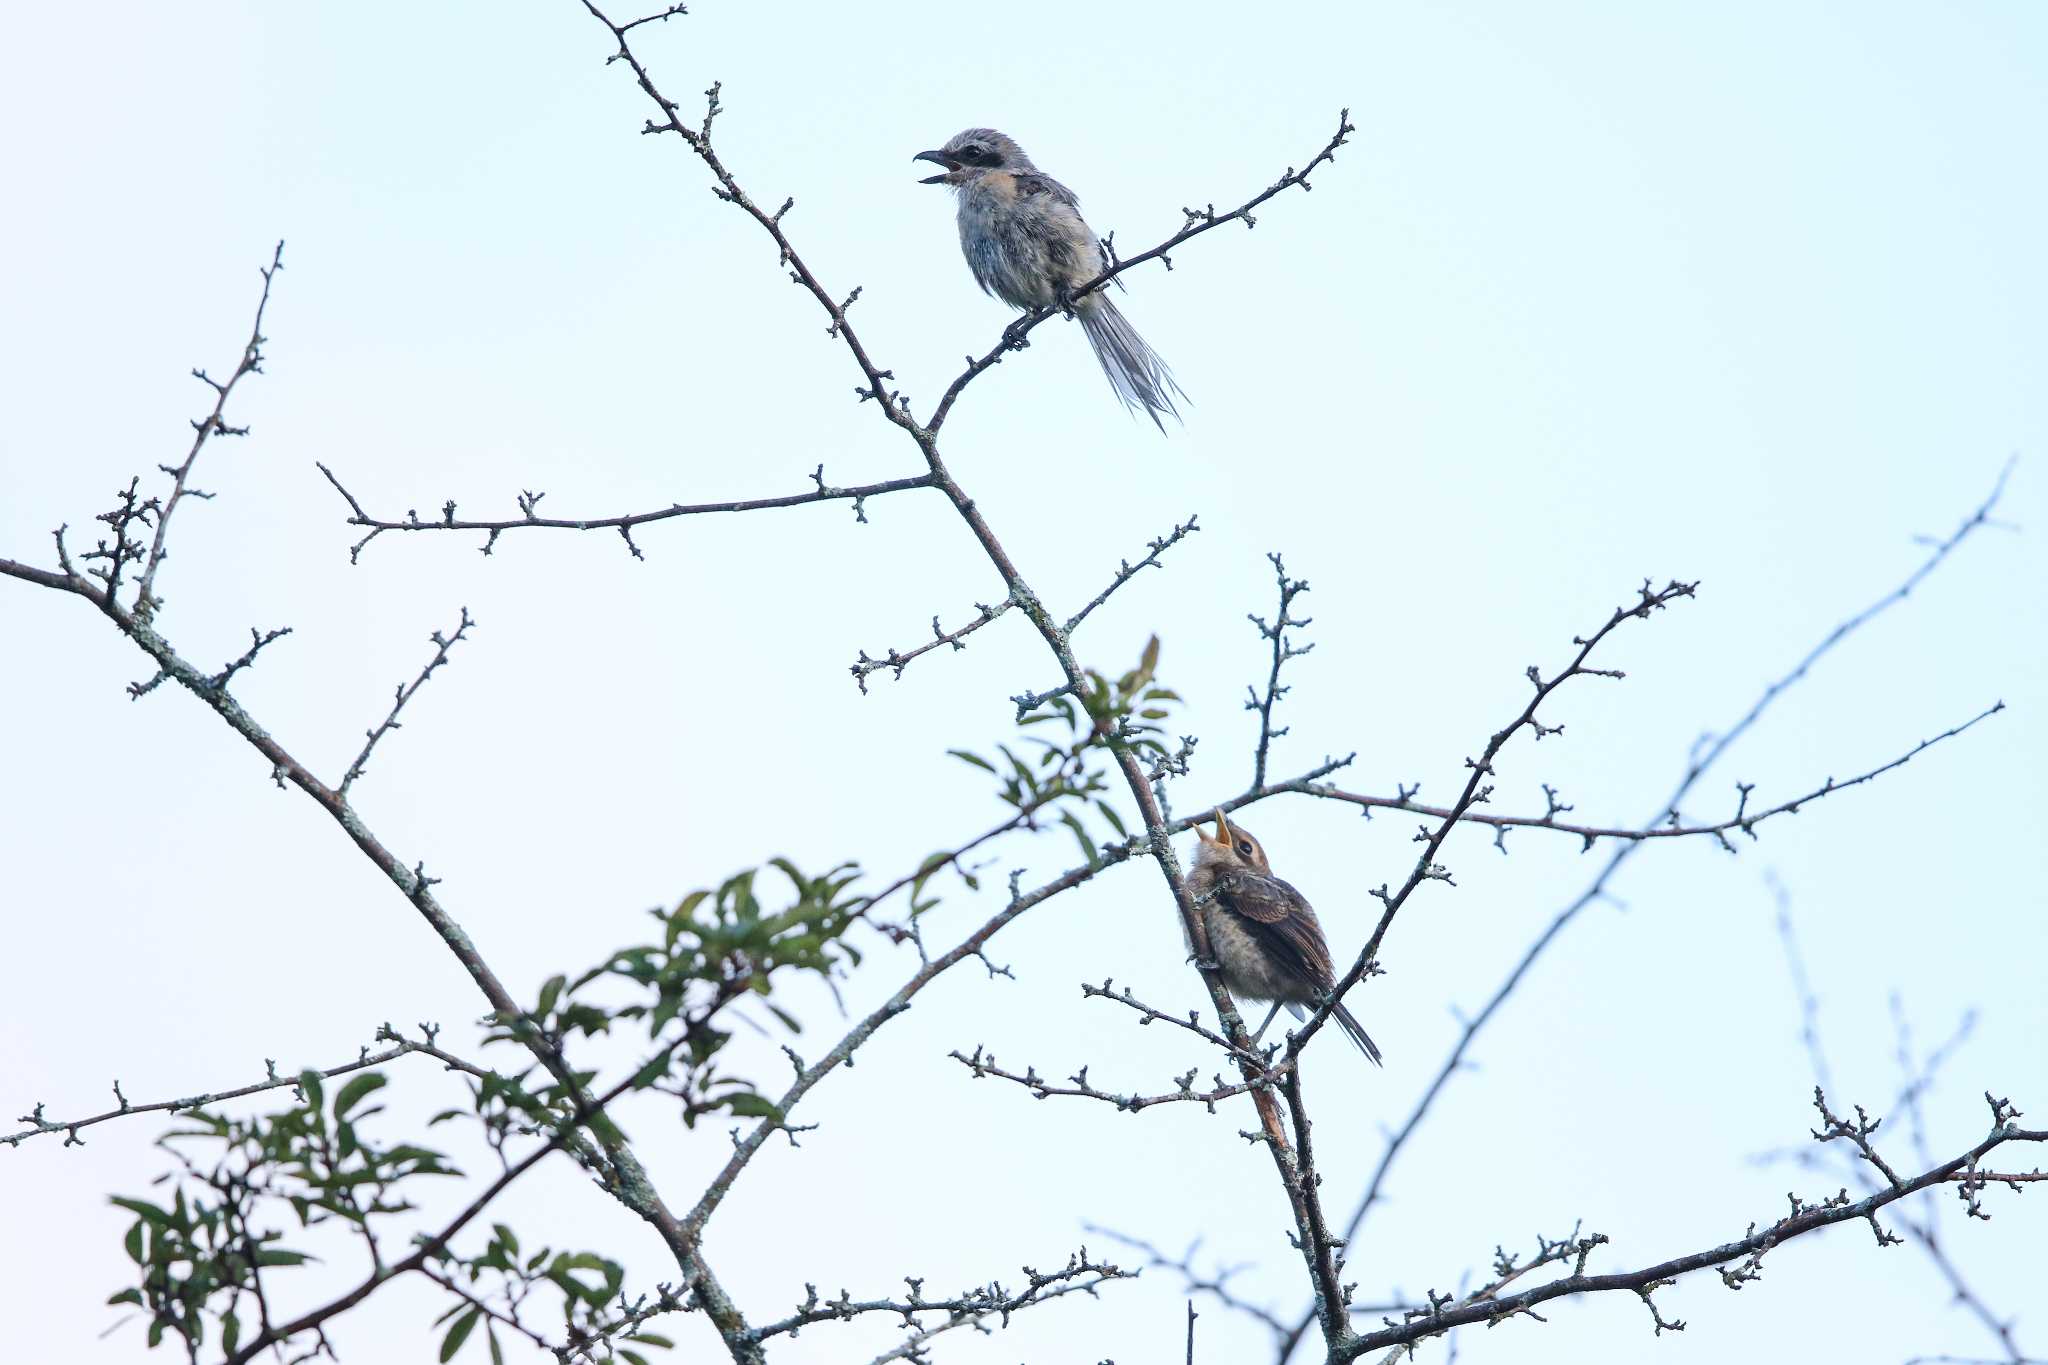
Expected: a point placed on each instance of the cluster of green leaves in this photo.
(506, 1278)
(716, 946)
(202, 1253)
(1064, 779)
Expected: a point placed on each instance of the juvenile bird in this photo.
(1262, 931)
(1027, 244)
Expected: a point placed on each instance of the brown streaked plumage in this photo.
(1262, 931)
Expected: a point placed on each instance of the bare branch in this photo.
(1126, 571)
(1192, 1022)
(1079, 1277)
(1426, 866)
(623, 524)
(1079, 1086)
(1216, 1285)
(405, 693)
(1748, 1249)
(1276, 633)
(973, 1305)
(40, 1126)
(1697, 766)
(1743, 820)
(898, 660)
(146, 600)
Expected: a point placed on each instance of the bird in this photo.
(1262, 932)
(1027, 244)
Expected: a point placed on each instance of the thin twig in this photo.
(251, 362)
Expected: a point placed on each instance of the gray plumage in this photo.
(1027, 244)
(1262, 932)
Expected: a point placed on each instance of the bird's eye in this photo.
(973, 151)
(1244, 848)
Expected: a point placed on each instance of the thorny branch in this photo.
(619, 1170)
(1192, 1023)
(1126, 571)
(1283, 650)
(1426, 866)
(913, 1347)
(40, 1126)
(1081, 1273)
(147, 602)
(1216, 1283)
(1744, 820)
(625, 1179)
(1748, 1250)
(898, 660)
(1918, 1076)
(1705, 756)
(403, 694)
(1079, 1086)
(529, 502)
(896, 409)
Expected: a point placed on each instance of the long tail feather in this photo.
(1135, 371)
(1358, 1035)
(1349, 1023)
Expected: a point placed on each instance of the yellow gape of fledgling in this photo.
(1027, 244)
(1262, 931)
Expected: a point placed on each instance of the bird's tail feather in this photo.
(1357, 1035)
(1135, 370)
(1349, 1023)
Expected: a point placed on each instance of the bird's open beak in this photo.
(937, 158)
(1222, 831)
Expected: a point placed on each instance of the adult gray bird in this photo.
(1261, 930)
(1027, 244)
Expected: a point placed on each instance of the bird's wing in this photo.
(1035, 182)
(1280, 918)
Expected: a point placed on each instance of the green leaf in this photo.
(133, 1243)
(752, 1106)
(653, 1071)
(1022, 769)
(459, 1333)
(230, 1332)
(788, 869)
(143, 1209)
(316, 1093)
(633, 1357)
(1080, 834)
(549, 994)
(652, 1339)
(491, 1337)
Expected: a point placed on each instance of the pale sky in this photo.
(1750, 295)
